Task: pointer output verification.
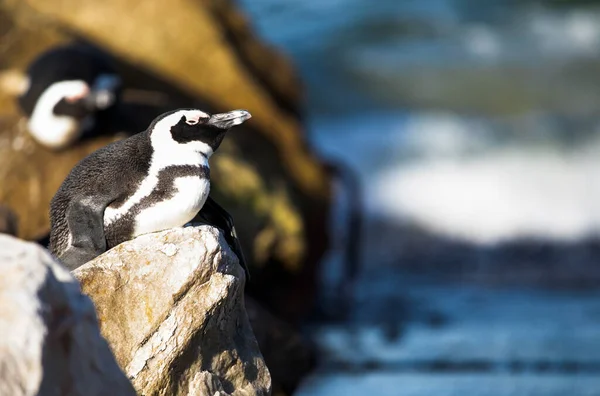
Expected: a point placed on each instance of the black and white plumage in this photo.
(66, 88)
(151, 181)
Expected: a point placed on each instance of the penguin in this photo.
(65, 89)
(73, 92)
(152, 181)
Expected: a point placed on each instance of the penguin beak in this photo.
(104, 92)
(230, 119)
(100, 100)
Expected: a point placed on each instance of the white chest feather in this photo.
(187, 200)
(155, 209)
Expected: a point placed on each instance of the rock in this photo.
(50, 342)
(175, 317)
(8, 221)
(265, 174)
(287, 354)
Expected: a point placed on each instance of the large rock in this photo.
(50, 343)
(194, 53)
(171, 304)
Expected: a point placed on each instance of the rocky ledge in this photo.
(171, 305)
(49, 344)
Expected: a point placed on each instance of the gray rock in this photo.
(50, 343)
(171, 305)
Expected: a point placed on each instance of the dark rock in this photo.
(287, 354)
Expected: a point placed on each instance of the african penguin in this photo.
(151, 181)
(66, 87)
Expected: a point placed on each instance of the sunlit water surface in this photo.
(475, 122)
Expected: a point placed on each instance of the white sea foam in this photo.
(497, 197)
(445, 173)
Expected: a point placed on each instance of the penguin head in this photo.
(65, 99)
(67, 88)
(64, 110)
(193, 129)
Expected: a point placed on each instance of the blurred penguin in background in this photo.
(67, 92)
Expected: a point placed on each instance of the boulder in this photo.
(50, 343)
(171, 305)
(265, 173)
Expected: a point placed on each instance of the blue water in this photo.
(471, 124)
(406, 91)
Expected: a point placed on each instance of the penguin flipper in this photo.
(75, 257)
(85, 219)
(214, 214)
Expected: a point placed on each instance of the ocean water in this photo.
(470, 120)
(474, 127)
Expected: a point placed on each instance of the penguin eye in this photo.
(191, 122)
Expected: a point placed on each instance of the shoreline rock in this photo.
(171, 305)
(50, 343)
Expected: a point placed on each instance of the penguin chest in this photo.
(172, 206)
